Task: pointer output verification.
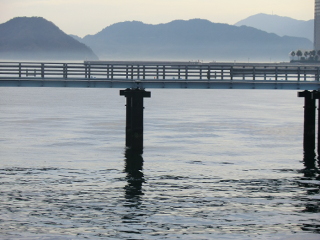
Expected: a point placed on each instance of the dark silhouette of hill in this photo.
(36, 38)
(282, 26)
(191, 40)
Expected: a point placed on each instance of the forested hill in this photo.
(33, 38)
(192, 39)
(26, 38)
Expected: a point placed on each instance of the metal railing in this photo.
(158, 71)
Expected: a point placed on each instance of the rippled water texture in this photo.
(217, 164)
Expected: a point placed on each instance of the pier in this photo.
(193, 75)
(133, 77)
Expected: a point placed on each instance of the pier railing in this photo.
(167, 73)
(158, 71)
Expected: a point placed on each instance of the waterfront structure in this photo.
(161, 74)
(135, 76)
(317, 25)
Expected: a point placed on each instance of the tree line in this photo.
(299, 55)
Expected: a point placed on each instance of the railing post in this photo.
(157, 72)
(286, 73)
(108, 71)
(42, 70)
(209, 73)
(127, 71)
(65, 70)
(222, 73)
(112, 71)
(186, 76)
(164, 72)
(20, 74)
(144, 72)
(131, 71)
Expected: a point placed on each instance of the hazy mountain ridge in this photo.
(282, 26)
(196, 39)
(192, 39)
(37, 38)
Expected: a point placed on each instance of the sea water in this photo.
(217, 164)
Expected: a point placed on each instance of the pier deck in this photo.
(138, 74)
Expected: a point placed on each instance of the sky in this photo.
(83, 17)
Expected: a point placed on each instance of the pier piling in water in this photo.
(309, 135)
(134, 117)
(174, 75)
(316, 95)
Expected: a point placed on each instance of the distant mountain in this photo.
(33, 38)
(282, 26)
(191, 40)
(79, 39)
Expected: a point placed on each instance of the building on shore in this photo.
(314, 54)
(317, 25)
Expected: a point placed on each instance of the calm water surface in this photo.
(217, 164)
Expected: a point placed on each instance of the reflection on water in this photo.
(309, 161)
(134, 213)
(213, 167)
(47, 203)
(135, 177)
(311, 200)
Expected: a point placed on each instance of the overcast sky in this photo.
(82, 17)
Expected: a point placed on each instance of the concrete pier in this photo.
(134, 117)
(309, 135)
(316, 95)
(135, 76)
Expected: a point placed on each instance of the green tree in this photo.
(299, 54)
(312, 53)
(293, 53)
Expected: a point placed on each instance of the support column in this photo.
(134, 117)
(316, 95)
(128, 121)
(309, 128)
(318, 148)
